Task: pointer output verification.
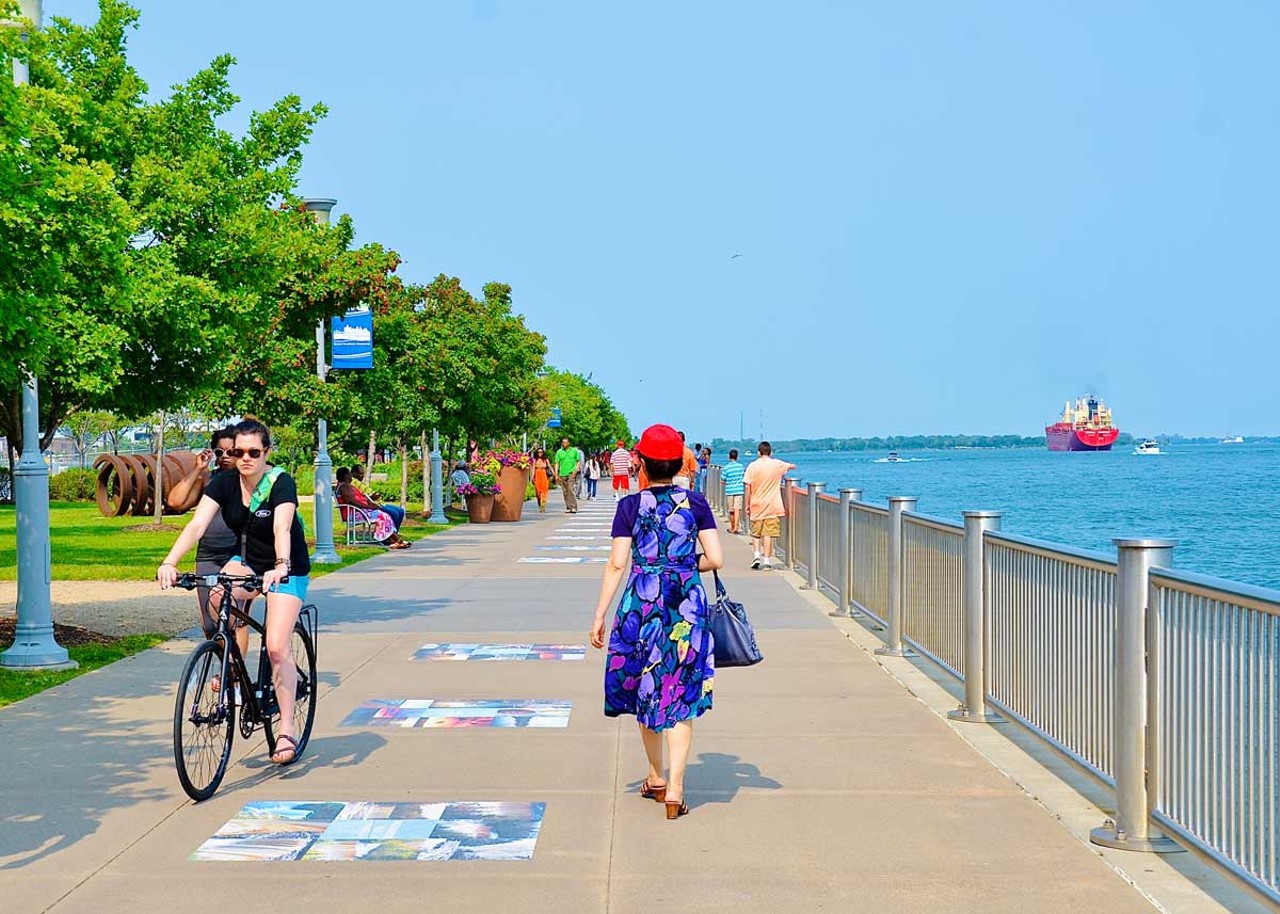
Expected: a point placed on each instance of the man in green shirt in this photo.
(568, 462)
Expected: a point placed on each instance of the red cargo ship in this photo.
(1083, 427)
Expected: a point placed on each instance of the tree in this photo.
(86, 428)
(587, 416)
(144, 243)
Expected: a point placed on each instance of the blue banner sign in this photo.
(353, 339)
(554, 421)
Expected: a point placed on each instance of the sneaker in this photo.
(755, 563)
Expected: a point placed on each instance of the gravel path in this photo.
(113, 607)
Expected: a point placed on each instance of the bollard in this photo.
(893, 647)
(1135, 753)
(789, 502)
(844, 596)
(974, 614)
(811, 536)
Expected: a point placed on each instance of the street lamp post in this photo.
(34, 644)
(437, 481)
(325, 553)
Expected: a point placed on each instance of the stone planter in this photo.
(509, 503)
(480, 508)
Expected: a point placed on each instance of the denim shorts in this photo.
(296, 586)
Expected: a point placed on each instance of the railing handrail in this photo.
(869, 509)
(1083, 557)
(1246, 596)
(823, 496)
(935, 523)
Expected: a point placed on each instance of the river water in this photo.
(1221, 502)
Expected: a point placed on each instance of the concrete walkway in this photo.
(817, 782)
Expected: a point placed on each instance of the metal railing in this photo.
(797, 541)
(931, 613)
(870, 565)
(829, 567)
(1052, 620)
(1164, 685)
(1214, 693)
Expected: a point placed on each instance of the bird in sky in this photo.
(735, 256)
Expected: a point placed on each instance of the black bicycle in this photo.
(215, 682)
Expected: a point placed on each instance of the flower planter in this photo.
(479, 508)
(509, 503)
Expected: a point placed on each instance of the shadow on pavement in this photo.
(86, 754)
(718, 776)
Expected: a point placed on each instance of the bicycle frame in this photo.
(257, 699)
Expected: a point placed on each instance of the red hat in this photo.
(661, 442)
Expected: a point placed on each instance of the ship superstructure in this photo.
(1084, 426)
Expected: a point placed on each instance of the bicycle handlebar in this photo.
(189, 581)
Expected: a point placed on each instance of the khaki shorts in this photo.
(735, 502)
(767, 526)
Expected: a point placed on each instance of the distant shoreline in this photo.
(945, 443)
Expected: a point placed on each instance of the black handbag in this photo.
(735, 641)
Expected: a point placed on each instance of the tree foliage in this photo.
(587, 415)
(147, 250)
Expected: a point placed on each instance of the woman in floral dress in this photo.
(661, 664)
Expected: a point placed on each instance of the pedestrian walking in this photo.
(620, 463)
(688, 470)
(661, 663)
(731, 475)
(593, 476)
(763, 484)
(568, 464)
(541, 478)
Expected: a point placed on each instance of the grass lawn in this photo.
(89, 547)
(98, 651)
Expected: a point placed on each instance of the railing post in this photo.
(811, 536)
(893, 647)
(789, 501)
(844, 596)
(1131, 828)
(974, 615)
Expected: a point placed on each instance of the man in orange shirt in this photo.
(688, 469)
(763, 483)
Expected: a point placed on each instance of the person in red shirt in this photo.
(688, 466)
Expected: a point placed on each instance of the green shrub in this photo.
(74, 484)
(389, 490)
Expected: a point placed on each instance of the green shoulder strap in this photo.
(263, 488)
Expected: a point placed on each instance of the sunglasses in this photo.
(221, 452)
(238, 452)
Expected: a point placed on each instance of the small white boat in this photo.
(1237, 439)
(1150, 446)
(893, 457)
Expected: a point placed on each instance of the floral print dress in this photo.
(661, 663)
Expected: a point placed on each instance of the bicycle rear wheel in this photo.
(304, 702)
(203, 723)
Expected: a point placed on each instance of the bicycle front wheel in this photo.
(203, 723)
(304, 700)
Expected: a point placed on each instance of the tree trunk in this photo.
(404, 476)
(159, 489)
(373, 443)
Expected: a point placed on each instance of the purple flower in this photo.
(648, 586)
(647, 545)
(617, 662)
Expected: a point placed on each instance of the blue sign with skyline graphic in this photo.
(353, 339)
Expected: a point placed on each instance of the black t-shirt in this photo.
(258, 531)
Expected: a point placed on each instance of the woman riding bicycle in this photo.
(260, 505)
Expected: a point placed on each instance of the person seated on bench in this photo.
(357, 480)
(384, 527)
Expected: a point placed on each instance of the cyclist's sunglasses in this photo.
(221, 452)
(238, 452)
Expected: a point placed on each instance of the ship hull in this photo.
(1063, 437)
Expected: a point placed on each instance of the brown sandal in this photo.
(653, 793)
(677, 809)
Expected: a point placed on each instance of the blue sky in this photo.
(952, 217)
